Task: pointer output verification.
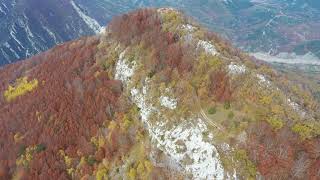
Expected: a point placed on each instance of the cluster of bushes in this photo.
(26, 154)
(172, 20)
(22, 86)
(306, 130)
(140, 170)
(212, 110)
(276, 123)
(249, 167)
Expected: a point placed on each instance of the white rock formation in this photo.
(236, 69)
(208, 47)
(183, 143)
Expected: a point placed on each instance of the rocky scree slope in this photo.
(156, 96)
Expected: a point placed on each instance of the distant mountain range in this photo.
(271, 26)
(264, 26)
(28, 27)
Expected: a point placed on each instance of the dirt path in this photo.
(210, 121)
(206, 119)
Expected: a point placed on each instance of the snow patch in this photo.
(208, 47)
(2, 11)
(50, 33)
(226, 1)
(93, 24)
(5, 55)
(7, 45)
(24, 23)
(13, 35)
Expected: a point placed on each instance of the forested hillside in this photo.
(155, 96)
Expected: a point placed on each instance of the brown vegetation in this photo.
(220, 86)
(145, 27)
(281, 155)
(62, 113)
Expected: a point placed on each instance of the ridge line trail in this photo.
(206, 119)
(210, 121)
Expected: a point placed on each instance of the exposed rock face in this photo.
(154, 96)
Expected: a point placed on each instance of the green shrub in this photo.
(22, 149)
(91, 160)
(172, 17)
(227, 105)
(215, 63)
(303, 130)
(275, 123)
(249, 167)
(151, 74)
(230, 115)
(40, 147)
(27, 156)
(171, 20)
(132, 173)
(212, 110)
(317, 95)
(101, 174)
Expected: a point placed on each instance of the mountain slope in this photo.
(154, 96)
(30, 27)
